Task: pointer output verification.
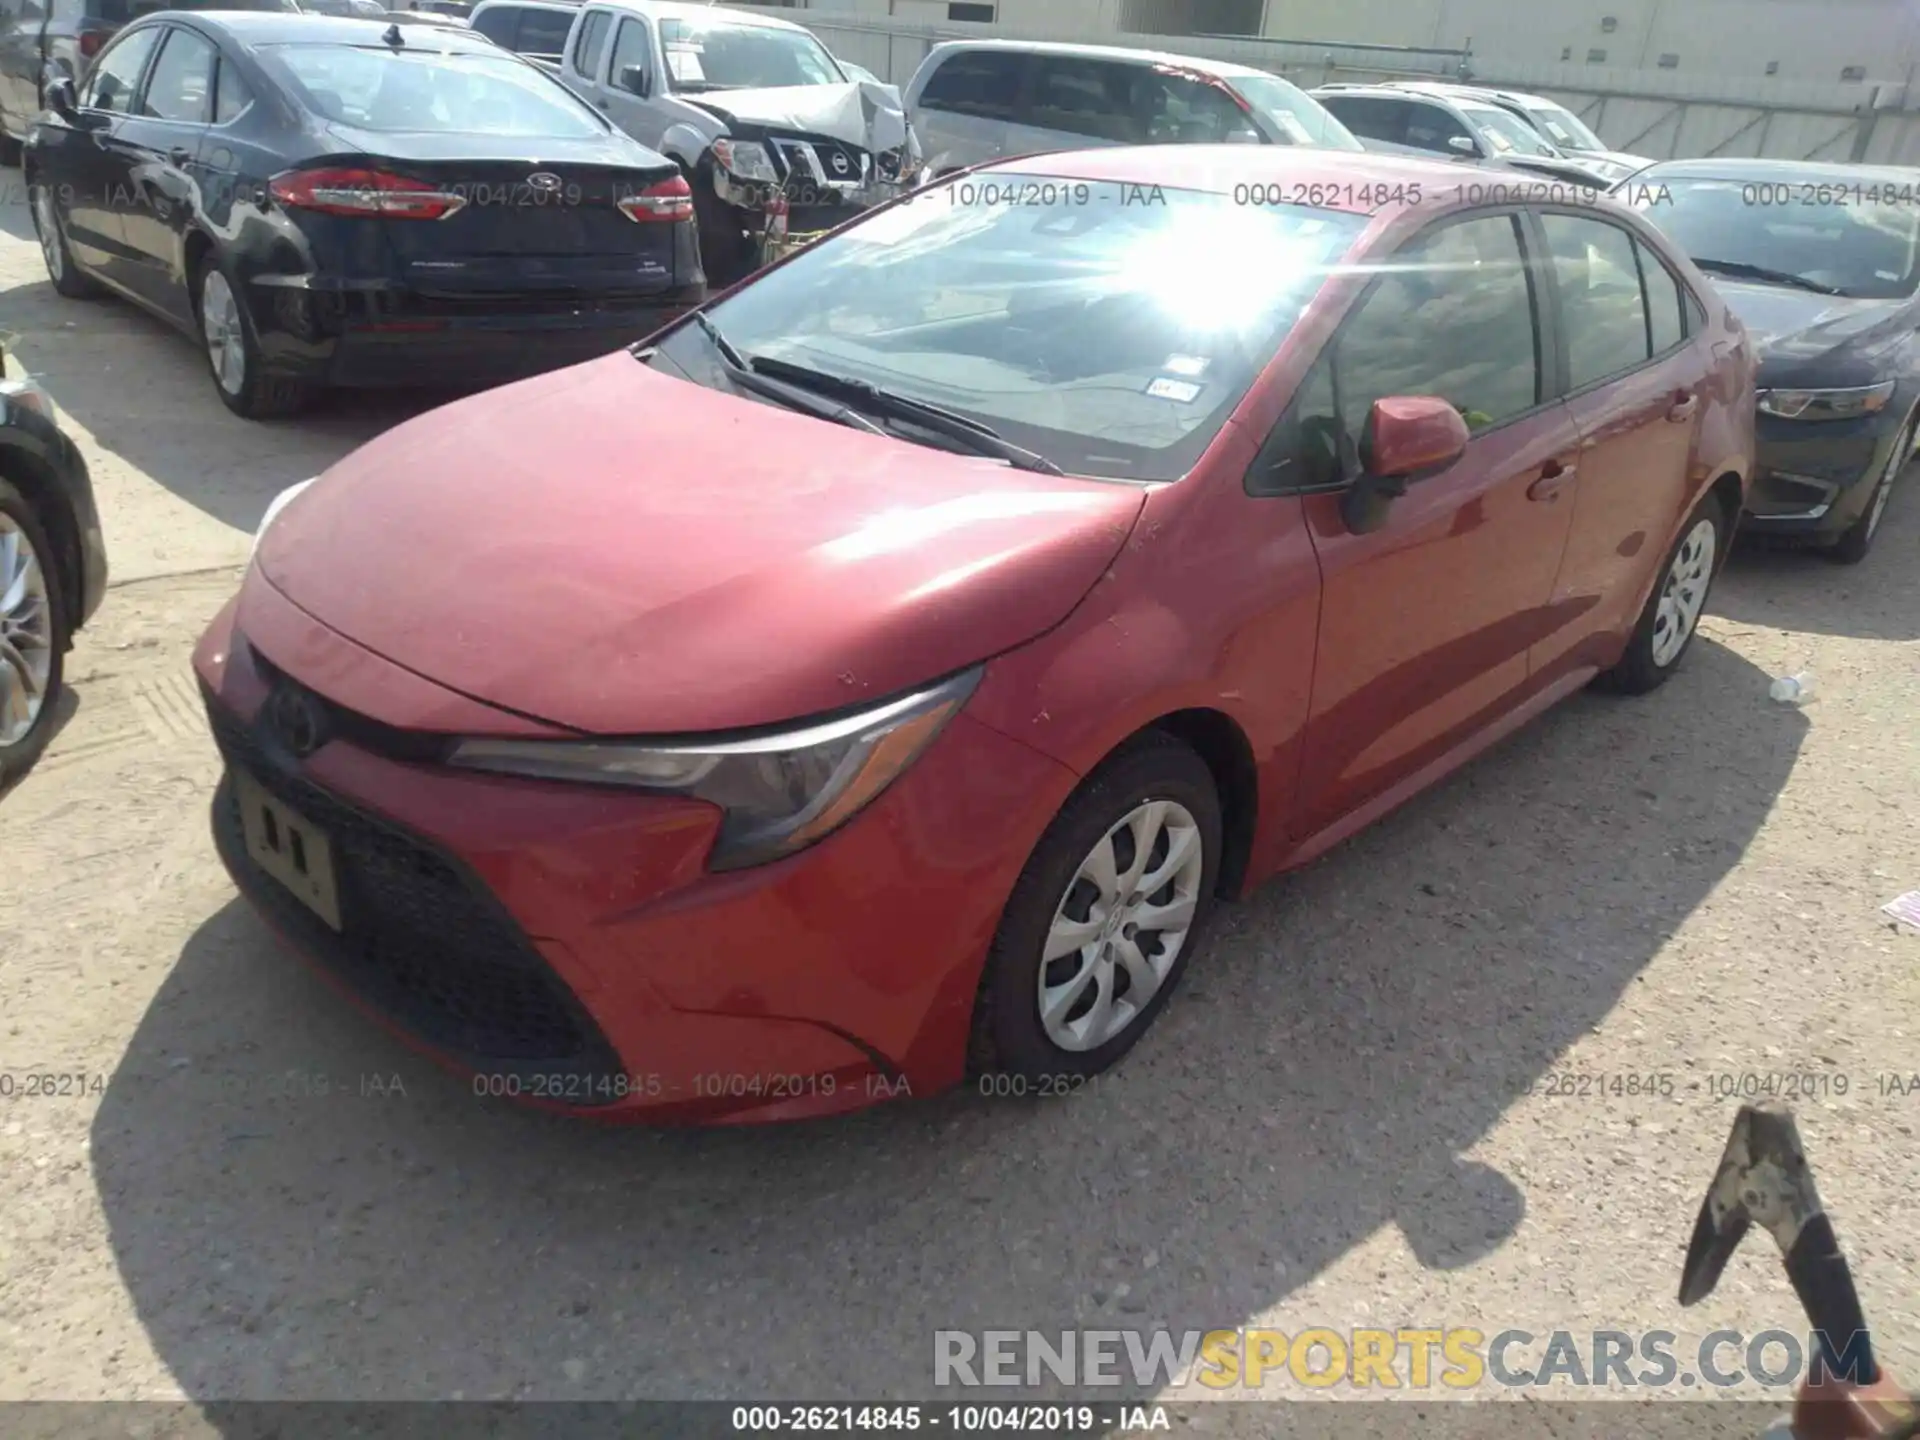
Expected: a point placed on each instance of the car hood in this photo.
(1792, 327)
(864, 112)
(617, 551)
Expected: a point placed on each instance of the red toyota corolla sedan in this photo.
(873, 680)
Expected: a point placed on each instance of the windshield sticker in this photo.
(1190, 365)
(1163, 388)
(683, 62)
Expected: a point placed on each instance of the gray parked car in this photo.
(1454, 124)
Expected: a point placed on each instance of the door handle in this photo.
(1683, 407)
(1554, 478)
(179, 155)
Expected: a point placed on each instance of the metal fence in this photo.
(1647, 112)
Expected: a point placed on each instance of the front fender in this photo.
(686, 143)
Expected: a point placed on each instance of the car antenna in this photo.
(393, 36)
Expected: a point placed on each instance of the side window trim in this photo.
(1549, 362)
(1567, 390)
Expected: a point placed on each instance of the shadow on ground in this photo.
(290, 1225)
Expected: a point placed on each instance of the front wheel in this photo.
(1854, 542)
(33, 635)
(67, 278)
(725, 252)
(1103, 919)
(1672, 615)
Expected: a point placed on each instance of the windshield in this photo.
(1508, 134)
(1858, 242)
(720, 54)
(432, 92)
(1294, 115)
(1111, 328)
(1564, 128)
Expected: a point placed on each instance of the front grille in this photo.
(790, 150)
(422, 940)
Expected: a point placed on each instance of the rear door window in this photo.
(1086, 97)
(231, 95)
(1603, 310)
(591, 46)
(981, 83)
(1666, 311)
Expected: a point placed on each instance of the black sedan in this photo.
(1822, 263)
(53, 564)
(344, 202)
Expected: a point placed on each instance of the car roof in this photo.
(1392, 91)
(277, 27)
(674, 10)
(1102, 52)
(568, 6)
(1218, 169)
(1745, 168)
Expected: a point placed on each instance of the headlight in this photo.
(274, 507)
(778, 792)
(1826, 404)
(746, 160)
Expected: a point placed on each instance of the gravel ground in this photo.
(1342, 1121)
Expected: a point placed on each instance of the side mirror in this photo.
(61, 97)
(1408, 438)
(635, 79)
(1464, 144)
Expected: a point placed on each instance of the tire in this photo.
(1689, 569)
(232, 351)
(1010, 1037)
(67, 277)
(10, 149)
(38, 610)
(1857, 539)
(725, 253)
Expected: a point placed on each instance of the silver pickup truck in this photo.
(777, 141)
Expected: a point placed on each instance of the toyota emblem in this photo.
(839, 163)
(544, 181)
(297, 719)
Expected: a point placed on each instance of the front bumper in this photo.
(1813, 479)
(564, 945)
(393, 337)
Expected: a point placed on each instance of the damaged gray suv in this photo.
(778, 142)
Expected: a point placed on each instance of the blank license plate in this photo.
(290, 848)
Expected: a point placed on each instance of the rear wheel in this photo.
(233, 352)
(33, 635)
(1104, 918)
(1854, 543)
(1672, 615)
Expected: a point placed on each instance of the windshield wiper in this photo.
(1741, 270)
(791, 396)
(980, 439)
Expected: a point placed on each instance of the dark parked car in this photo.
(1822, 262)
(341, 202)
(43, 38)
(1043, 572)
(53, 565)
(1432, 121)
